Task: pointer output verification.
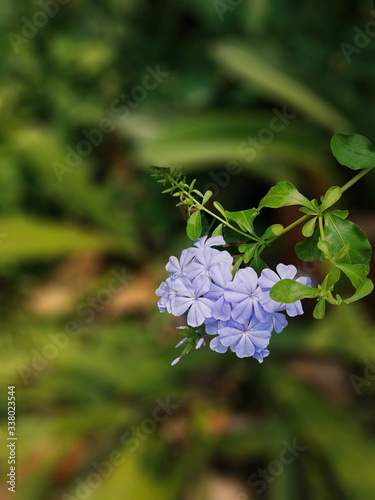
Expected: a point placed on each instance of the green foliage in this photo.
(194, 225)
(226, 78)
(283, 195)
(244, 219)
(328, 235)
(290, 291)
(353, 151)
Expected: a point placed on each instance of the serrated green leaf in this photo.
(363, 290)
(307, 250)
(194, 226)
(206, 197)
(331, 279)
(284, 194)
(288, 291)
(244, 218)
(331, 197)
(218, 231)
(220, 209)
(308, 228)
(353, 150)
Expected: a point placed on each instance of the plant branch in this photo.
(355, 179)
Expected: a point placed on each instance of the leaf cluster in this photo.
(329, 236)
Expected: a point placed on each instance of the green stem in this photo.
(288, 228)
(226, 223)
(344, 188)
(355, 179)
(223, 221)
(198, 205)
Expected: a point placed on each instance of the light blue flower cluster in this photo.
(237, 310)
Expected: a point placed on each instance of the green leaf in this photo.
(206, 197)
(320, 309)
(357, 273)
(205, 223)
(237, 265)
(363, 290)
(308, 228)
(220, 209)
(248, 250)
(284, 194)
(345, 249)
(196, 191)
(325, 247)
(191, 187)
(218, 231)
(340, 232)
(341, 213)
(307, 250)
(257, 263)
(272, 231)
(288, 291)
(331, 279)
(353, 150)
(194, 226)
(244, 218)
(331, 197)
(308, 211)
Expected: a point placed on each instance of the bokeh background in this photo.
(91, 95)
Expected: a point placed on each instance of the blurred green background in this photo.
(91, 95)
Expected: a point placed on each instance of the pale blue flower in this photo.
(211, 326)
(205, 242)
(178, 267)
(162, 292)
(167, 293)
(244, 294)
(279, 321)
(246, 339)
(217, 346)
(260, 354)
(190, 297)
(221, 309)
(207, 261)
